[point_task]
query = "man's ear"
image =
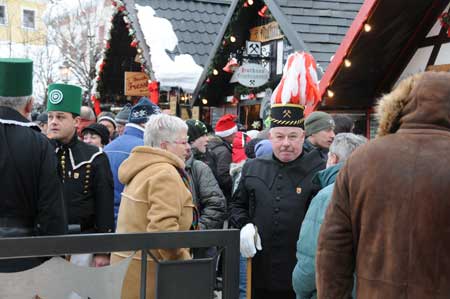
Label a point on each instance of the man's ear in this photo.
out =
(28, 106)
(77, 121)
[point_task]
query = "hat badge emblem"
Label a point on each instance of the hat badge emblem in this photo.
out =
(287, 113)
(55, 96)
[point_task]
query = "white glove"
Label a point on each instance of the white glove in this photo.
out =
(250, 240)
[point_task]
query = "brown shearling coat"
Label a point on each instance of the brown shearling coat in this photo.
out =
(389, 218)
(155, 199)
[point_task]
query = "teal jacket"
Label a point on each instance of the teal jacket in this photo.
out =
(304, 275)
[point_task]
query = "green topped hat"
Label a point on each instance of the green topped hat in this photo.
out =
(64, 97)
(16, 77)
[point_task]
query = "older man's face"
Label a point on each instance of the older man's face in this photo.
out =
(287, 143)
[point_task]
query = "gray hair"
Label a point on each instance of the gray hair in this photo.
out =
(16, 103)
(162, 127)
(87, 113)
(345, 143)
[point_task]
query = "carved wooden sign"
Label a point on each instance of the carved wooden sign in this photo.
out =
(266, 32)
(252, 75)
(136, 84)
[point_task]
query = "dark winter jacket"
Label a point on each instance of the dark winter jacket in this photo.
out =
(275, 196)
(219, 159)
(304, 275)
(31, 201)
(119, 150)
(88, 186)
(388, 220)
(308, 147)
(206, 194)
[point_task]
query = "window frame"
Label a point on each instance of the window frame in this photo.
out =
(6, 14)
(22, 18)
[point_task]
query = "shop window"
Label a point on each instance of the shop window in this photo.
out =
(28, 19)
(2, 15)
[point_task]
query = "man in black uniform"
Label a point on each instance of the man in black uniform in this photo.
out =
(85, 171)
(271, 201)
(31, 201)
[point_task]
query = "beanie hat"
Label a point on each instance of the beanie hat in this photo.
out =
(141, 112)
(226, 126)
(16, 77)
(108, 116)
(318, 121)
(98, 129)
(263, 148)
(239, 142)
(124, 114)
(196, 129)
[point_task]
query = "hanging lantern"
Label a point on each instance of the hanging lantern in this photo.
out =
(262, 12)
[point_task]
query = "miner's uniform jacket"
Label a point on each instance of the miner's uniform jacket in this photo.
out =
(88, 186)
(275, 196)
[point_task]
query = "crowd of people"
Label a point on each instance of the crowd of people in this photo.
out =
(322, 212)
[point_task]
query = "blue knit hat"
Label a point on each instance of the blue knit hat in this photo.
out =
(141, 112)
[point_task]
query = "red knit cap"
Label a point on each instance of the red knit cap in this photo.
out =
(226, 125)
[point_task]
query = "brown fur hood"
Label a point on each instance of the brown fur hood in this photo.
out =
(422, 100)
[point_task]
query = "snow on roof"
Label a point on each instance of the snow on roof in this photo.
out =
(182, 71)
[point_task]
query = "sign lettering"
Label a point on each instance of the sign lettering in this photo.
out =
(136, 84)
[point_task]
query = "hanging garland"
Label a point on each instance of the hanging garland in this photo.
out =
(445, 22)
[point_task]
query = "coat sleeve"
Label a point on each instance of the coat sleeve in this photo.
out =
(223, 161)
(104, 195)
(165, 191)
(211, 198)
(304, 274)
(240, 203)
(51, 210)
(335, 260)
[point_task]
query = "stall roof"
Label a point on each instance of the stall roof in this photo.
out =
(312, 26)
(195, 22)
(320, 24)
(378, 57)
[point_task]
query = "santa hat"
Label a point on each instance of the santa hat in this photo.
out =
(298, 88)
(226, 125)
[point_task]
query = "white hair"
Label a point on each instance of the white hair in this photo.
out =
(345, 143)
(16, 103)
(162, 127)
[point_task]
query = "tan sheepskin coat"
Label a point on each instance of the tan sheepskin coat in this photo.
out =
(155, 199)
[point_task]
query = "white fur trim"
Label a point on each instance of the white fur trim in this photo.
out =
(227, 132)
(18, 123)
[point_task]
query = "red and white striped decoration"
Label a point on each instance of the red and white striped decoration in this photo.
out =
(299, 84)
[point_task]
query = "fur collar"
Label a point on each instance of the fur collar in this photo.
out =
(390, 106)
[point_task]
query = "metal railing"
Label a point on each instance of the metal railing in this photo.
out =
(226, 240)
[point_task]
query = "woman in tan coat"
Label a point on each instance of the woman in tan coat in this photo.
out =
(155, 197)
